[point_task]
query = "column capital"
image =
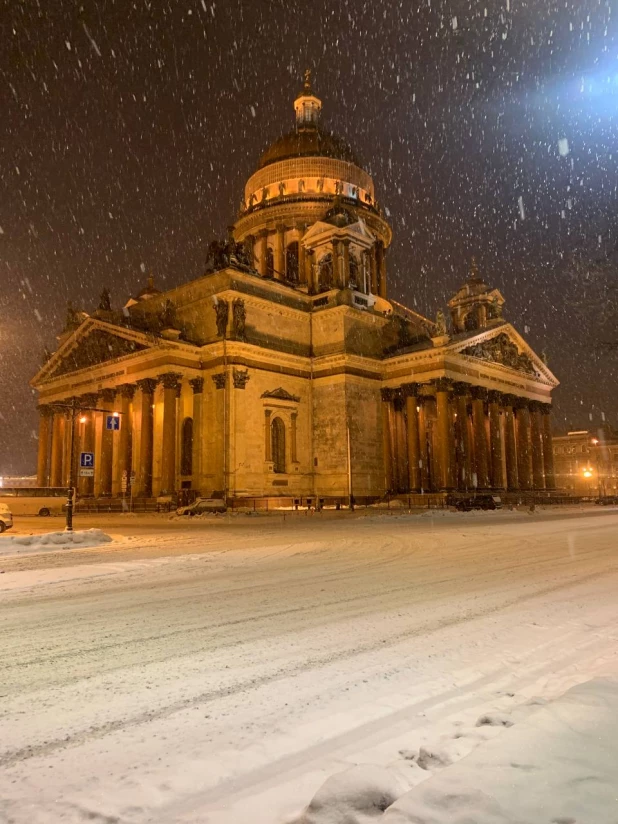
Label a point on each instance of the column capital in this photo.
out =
(409, 390)
(387, 394)
(89, 399)
(197, 384)
(508, 399)
(240, 378)
(461, 389)
(170, 380)
(479, 393)
(45, 410)
(108, 394)
(263, 233)
(219, 380)
(522, 403)
(546, 408)
(536, 406)
(147, 385)
(127, 390)
(443, 384)
(494, 396)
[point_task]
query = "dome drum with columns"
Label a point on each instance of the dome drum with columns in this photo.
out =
(248, 381)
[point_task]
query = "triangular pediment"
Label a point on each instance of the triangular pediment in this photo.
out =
(505, 347)
(94, 342)
(281, 394)
(321, 231)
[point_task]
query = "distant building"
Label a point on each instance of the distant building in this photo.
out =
(586, 462)
(286, 370)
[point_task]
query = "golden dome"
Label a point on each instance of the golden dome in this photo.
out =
(308, 142)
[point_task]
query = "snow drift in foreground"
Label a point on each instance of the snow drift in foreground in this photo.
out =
(556, 766)
(13, 544)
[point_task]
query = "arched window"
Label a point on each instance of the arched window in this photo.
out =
(355, 278)
(291, 262)
(186, 447)
(277, 435)
(325, 272)
(471, 322)
(270, 263)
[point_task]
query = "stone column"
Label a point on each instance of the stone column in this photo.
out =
(336, 265)
(293, 443)
(495, 441)
(302, 257)
(197, 385)
(268, 451)
(373, 270)
(57, 449)
(280, 253)
(422, 439)
(310, 272)
(444, 474)
(401, 451)
(107, 443)
(346, 263)
(171, 390)
(481, 464)
(548, 447)
(464, 442)
(381, 263)
(123, 463)
(85, 486)
(414, 445)
(262, 249)
(144, 407)
(524, 450)
(387, 439)
(45, 419)
(512, 475)
(536, 446)
(70, 426)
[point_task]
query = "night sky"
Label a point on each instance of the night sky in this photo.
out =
(129, 129)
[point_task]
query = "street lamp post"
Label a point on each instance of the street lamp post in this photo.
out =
(74, 408)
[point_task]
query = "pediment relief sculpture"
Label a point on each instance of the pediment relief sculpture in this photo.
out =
(95, 348)
(501, 349)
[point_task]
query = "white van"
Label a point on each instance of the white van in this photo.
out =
(6, 517)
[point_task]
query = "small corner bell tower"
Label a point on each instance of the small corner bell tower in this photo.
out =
(475, 305)
(307, 106)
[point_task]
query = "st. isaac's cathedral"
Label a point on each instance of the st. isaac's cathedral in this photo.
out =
(287, 371)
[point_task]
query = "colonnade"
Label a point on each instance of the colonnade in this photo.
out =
(455, 436)
(373, 263)
(121, 453)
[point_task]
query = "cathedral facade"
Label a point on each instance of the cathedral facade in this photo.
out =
(287, 371)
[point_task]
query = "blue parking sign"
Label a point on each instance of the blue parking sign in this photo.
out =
(112, 422)
(86, 460)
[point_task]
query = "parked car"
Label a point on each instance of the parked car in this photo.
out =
(6, 517)
(608, 500)
(201, 506)
(478, 502)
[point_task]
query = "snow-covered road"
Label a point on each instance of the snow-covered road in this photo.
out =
(220, 673)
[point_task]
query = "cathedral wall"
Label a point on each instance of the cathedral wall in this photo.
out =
(252, 464)
(364, 407)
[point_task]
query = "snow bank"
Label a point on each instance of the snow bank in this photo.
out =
(14, 544)
(556, 766)
(356, 796)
